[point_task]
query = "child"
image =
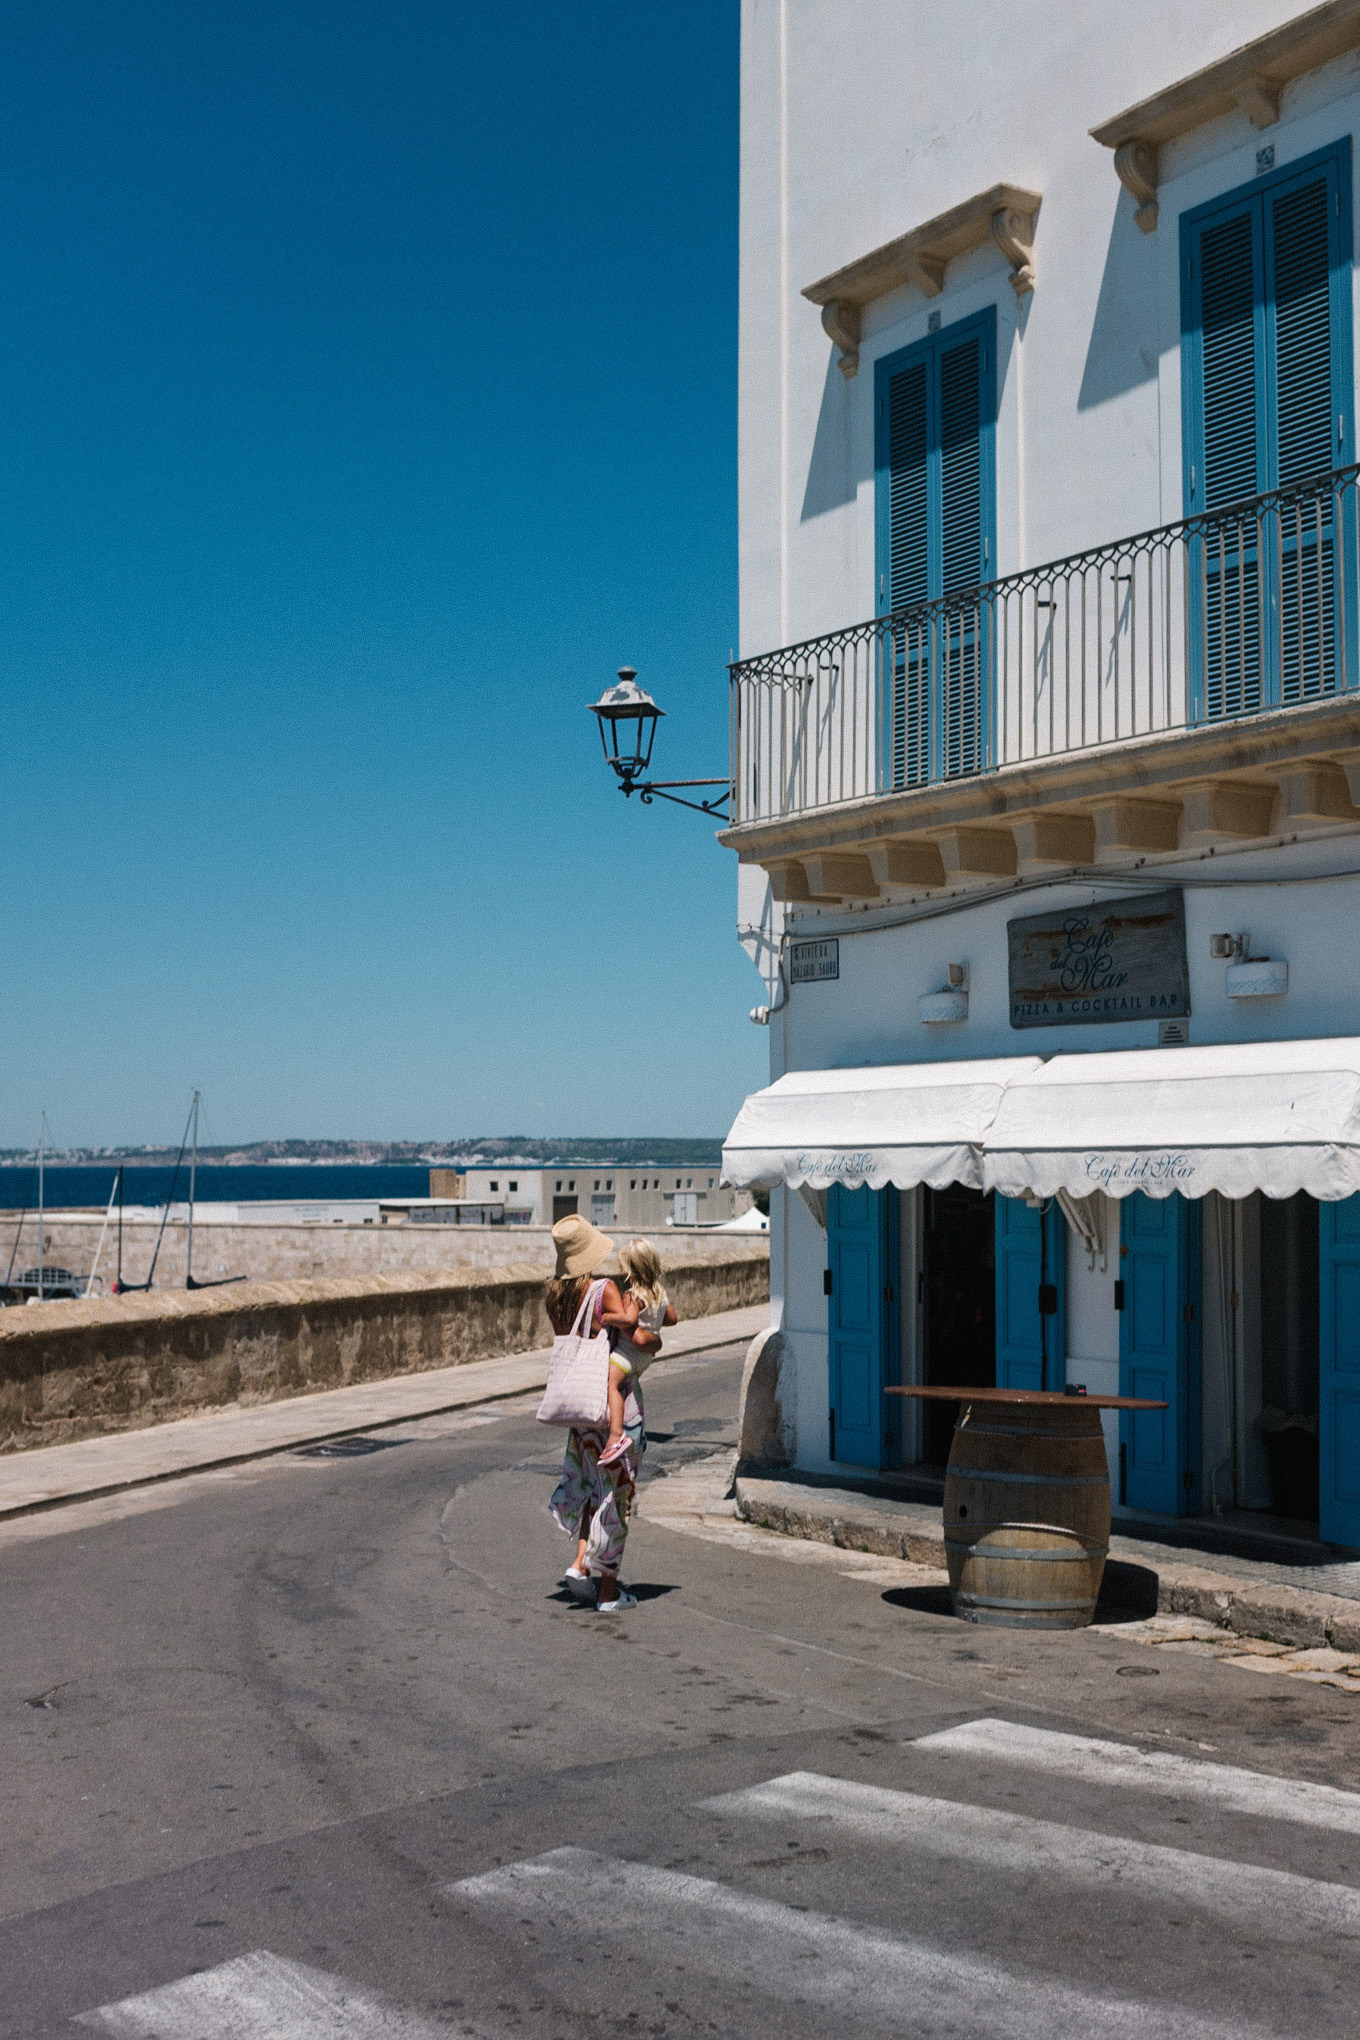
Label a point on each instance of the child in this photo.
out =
(641, 1287)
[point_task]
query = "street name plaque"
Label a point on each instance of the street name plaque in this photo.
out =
(1114, 960)
(812, 963)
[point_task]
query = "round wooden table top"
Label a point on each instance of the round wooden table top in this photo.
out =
(1047, 1398)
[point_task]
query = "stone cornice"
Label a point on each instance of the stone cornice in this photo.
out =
(1145, 766)
(1004, 214)
(1251, 78)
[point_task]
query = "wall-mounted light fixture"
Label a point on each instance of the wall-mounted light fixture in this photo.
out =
(627, 718)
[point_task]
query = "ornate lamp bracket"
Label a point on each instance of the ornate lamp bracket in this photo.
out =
(840, 323)
(1135, 165)
(1013, 232)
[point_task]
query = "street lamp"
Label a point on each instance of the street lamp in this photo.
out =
(627, 718)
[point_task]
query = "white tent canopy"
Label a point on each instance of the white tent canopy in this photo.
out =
(902, 1123)
(1276, 1116)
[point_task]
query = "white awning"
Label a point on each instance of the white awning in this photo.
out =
(902, 1123)
(1277, 1116)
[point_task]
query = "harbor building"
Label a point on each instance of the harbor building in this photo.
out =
(632, 1196)
(1046, 729)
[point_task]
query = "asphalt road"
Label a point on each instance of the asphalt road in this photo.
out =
(317, 1747)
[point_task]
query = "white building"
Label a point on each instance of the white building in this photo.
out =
(637, 1195)
(1053, 870)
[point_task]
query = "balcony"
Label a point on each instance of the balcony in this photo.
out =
(1190, 686)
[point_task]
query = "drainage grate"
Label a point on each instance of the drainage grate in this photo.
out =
(348, 1448)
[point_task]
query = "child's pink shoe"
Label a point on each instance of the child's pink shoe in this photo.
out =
(614, 1453)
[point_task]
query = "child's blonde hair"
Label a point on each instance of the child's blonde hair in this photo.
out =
(640, 1266)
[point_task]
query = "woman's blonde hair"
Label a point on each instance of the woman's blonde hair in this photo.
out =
(640, 1266)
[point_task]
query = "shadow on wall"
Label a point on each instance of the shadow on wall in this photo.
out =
(1122, 353)
(833, 476)
(831, 481)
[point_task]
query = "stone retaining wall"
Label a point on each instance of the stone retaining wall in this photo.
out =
(268, 1253)
(77, 1369)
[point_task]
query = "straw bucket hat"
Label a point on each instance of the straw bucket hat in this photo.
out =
(580, 1248)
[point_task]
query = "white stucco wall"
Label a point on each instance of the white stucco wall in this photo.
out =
(859, 123)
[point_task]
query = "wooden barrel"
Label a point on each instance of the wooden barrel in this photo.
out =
(1027, 1514)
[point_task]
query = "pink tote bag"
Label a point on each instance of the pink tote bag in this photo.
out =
(577, 1393)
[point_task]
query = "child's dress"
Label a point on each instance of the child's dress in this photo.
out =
(651, 1318)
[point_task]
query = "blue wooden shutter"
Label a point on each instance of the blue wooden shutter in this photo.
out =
(1304, 439)
(1339, 1372)
(1230, 291)
(861, 1316)
(1031, 1344)
(908, 576)
(961, 534)
(935, 463)
(1268, 405)
(1159, 1352)
(958, 652)
(1299, 333)
(1228, 465)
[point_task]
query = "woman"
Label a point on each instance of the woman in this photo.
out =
(592, 1503)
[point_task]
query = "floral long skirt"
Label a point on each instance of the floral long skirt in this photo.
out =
(594, 1501)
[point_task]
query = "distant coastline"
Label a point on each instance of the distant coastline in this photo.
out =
(483, 1151)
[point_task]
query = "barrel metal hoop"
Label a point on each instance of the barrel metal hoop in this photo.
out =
(987, 1473)
(1017, 1431)
(1029, 1607)
(1030, 1554)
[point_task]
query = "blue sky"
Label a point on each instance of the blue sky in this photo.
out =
(370, 397)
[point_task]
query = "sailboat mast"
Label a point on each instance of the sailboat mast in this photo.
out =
(118, 1284)
(42, 1143)
(193, 1171)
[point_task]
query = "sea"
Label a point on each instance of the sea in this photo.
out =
(91, 1183)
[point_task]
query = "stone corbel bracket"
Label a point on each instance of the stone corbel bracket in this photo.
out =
(840, 322)
(1250, 80)
(1005, 215)
(1135, 165)
(1013, 232)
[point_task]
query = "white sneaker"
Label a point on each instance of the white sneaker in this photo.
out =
(579, 1585)
(616, 1607)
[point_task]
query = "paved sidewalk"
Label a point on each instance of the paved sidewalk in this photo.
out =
(55, 1474)
(1262, 1600)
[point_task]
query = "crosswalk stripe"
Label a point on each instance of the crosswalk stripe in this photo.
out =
(813, 1958)
(258, 1997)
(1012, 1842)
(1159, 1771)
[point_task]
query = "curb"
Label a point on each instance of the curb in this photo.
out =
(536, 1375)
(913, 1531)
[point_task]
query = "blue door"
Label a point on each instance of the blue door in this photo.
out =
(1031, 1338)
(1157, 1295)
(1267, 393)
(1339, 1372)
(935, 464)
(861, 1245)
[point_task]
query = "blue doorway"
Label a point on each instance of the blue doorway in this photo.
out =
(1031, 1289)
(862, 1320)
(1339, 1372)
(1157, 1294)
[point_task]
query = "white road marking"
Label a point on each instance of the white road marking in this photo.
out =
(855, 1970)
(1159, 1771)
(259, 1997)
(1263, 1900)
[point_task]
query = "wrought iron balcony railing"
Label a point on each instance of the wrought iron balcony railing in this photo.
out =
(1245, 609)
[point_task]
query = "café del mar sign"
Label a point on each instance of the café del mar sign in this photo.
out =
(1120, 959)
